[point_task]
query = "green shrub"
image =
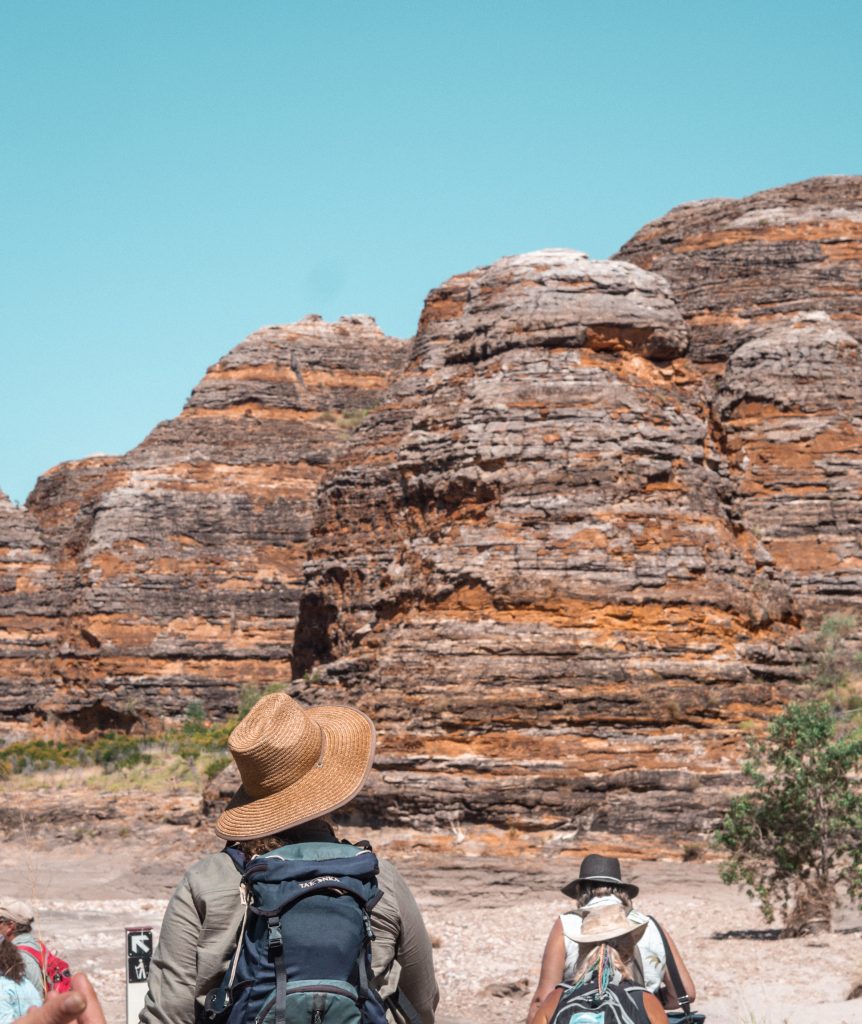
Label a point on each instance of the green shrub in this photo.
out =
(795, 838)
(200, 743)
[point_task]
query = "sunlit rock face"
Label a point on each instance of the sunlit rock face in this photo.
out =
(525, 568)
(788, 415)
(567, 546)
(771, 290)
(180, 563)
(776, 253)
(28, 599)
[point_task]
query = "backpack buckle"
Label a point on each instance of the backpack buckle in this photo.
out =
(276, 944)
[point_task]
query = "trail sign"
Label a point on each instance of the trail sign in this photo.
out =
(139, 951)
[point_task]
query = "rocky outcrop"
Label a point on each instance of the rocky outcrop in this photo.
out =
(524, 567)
(28, 600)
(776, 253)
(577, 547)
(788, 417)
(771, 289)
(178, 566)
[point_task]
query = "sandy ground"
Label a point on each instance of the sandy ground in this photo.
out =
(488, 917)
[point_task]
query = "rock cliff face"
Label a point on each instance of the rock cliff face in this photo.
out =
(575, 546)
(771, 290)
(732, 262)
(524, 566)
(28, 621)
(177, 567)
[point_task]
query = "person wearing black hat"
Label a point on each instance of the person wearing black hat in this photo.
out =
(600, 883)
(604, 972)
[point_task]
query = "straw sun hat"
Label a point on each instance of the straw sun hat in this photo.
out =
(296, 764)
(605, 922)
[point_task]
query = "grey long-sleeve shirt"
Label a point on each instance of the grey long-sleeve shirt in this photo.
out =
(199, 934)
(32, 970)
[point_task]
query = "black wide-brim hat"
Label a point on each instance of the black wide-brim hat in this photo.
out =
(599, 870)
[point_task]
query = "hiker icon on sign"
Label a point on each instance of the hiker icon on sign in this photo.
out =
(140, 971)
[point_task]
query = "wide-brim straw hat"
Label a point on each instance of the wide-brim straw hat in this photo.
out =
(606, 922)
(296, 764)
(599, 870)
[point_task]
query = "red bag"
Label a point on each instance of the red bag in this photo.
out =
(55, 971)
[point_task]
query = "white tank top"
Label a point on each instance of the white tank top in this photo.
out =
(650, 948)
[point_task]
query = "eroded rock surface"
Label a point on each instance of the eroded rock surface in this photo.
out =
(583, 539)
(179, 565)
(788, 411)
(772, 254)
(524, 569)
(28, 621)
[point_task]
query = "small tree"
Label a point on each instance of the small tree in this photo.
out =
(795, 839)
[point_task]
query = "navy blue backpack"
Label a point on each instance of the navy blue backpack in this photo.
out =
(304, 950)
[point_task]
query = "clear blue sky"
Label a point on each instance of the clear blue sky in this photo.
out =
(177, 173)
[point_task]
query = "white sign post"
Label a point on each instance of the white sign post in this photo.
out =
(139, 950)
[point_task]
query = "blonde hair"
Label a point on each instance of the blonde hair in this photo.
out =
(620, 950)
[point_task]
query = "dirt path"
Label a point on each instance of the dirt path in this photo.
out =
(488, 917)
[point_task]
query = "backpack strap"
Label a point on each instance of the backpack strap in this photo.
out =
(276, 952)
(402, 1010)
(40, 955)
(672, 969)
(364, 957)
(237, 856)
(218, 1000)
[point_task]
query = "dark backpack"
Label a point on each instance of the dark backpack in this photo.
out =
(616, 1004)
(55, 971)
(304, 950)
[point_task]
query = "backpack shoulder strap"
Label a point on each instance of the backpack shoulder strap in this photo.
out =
(672, 969)
(401, 1009)
(40, 955)
(217, 1001)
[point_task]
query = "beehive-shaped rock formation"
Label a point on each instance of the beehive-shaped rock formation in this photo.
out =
(177, 567)
(524, 566)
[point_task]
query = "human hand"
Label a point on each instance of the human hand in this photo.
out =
(80, 1006)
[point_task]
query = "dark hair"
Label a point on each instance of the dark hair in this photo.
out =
(589, 890)
(256, 847)
(11, 964)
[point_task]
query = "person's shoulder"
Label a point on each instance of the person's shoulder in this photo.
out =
(570, 922)
(389, 877)
(212, 869)
(29, 990)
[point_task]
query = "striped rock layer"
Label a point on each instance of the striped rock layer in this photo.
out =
(771, 290)
(526, 569)
(175, 571)
(735, 262)
(578, 547)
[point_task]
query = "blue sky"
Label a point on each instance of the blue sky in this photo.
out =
(174, 175)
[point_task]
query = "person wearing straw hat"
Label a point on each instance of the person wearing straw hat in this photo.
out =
(604, 970)
(16, 925)
(599, 883)
(297, 765)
